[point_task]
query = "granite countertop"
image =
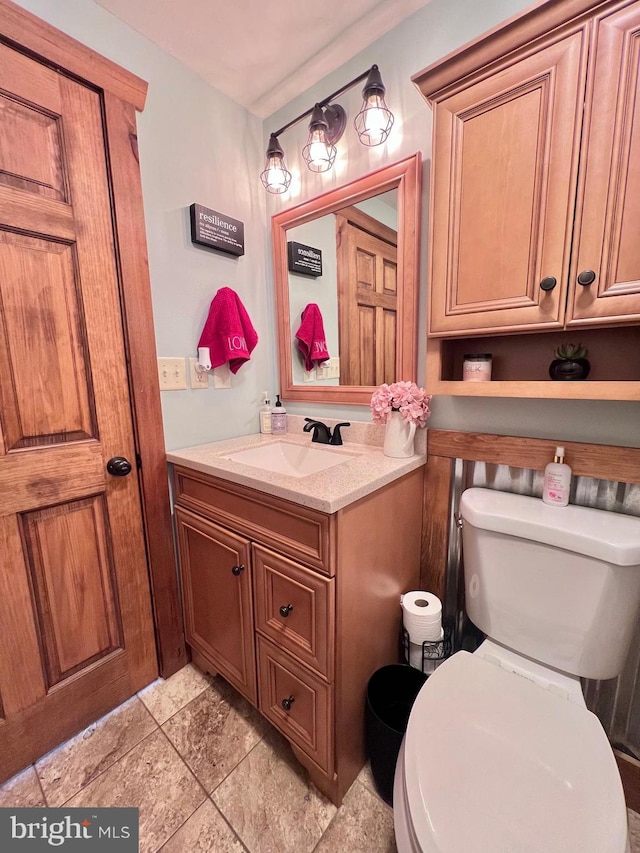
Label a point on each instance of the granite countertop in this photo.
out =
(364, 470)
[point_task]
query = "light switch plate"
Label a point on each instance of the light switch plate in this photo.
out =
(310, 375)
(171, 374)
(334, 368)
(198, 378)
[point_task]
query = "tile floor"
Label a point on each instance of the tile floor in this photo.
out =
(209, 775)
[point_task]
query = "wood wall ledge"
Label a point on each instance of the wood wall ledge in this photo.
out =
(21, 29)
(621, 464)
(495, 44)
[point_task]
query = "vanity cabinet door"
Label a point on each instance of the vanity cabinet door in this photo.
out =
(504, 177)
(607, 235)
(215, 567)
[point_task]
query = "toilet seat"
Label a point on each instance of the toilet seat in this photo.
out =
(557, 788)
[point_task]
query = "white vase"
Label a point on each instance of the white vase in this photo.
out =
(398, 437)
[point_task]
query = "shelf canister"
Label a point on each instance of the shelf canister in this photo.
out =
(476, 367)
(399, 434)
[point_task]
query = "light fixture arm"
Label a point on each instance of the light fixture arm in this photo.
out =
(326, 100)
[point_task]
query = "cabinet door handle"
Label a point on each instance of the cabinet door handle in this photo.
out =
(287, 703)
(236, 570)
(285, 610)
(586, 277)
(548, 283)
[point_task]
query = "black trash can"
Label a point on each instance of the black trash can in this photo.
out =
(391, 692)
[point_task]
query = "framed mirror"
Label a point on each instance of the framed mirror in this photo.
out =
(353, 252)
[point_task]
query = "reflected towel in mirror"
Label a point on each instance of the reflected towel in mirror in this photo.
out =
(311, 339)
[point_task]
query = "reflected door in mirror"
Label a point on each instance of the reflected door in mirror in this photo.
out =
(368, 298)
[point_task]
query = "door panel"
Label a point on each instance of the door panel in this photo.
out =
(76, 630)
(77, 610)
(607, 225)
(502, 200)
(48, 400)
(367, 299)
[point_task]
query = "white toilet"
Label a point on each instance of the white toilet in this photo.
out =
(501, 754)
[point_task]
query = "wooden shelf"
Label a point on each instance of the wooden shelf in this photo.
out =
(521, 363)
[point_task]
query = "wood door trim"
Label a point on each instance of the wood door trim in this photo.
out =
(24, 30)
(123, 92)
(147, 416)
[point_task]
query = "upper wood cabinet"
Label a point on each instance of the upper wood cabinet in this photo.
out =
(607, 234)
(536, 174)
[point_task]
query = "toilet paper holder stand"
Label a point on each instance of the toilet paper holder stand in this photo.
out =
(433, 653)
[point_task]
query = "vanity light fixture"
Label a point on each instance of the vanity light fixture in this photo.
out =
(275, 177)
(375, 120)
(325, 128)
(373, 124)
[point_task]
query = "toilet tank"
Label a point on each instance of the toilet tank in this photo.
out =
(560, 585)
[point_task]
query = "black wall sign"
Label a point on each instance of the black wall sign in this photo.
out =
(215, 230)
(304, 259)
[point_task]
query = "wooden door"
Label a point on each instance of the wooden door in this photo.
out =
(607, 227)
(505, 164)
(76, 631)
(367, 298)
(215, 566)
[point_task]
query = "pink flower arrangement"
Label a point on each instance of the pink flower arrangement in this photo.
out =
(404, 397)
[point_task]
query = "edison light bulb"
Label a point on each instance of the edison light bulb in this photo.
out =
(318, 150)
(375, 120)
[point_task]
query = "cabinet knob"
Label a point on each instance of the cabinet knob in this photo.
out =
(586, 277)
(548, 283)
(287, 703)
(236, 570)
(285, 610)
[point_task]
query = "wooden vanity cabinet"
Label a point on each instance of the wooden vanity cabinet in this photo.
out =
(536, 189)
(314, 611)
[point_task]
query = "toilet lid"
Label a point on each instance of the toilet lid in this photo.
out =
(497, 764)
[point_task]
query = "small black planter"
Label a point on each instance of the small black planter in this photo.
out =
(563, 369)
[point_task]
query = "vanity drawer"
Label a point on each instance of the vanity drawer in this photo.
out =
(297, 531)
(295, 609)
(297, 702)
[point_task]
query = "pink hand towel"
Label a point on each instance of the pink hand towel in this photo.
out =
(312, 342)
(228, 333)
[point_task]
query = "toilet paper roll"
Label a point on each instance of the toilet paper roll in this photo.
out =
(421, 616)
(415, 657)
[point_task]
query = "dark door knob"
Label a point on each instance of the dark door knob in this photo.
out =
(286, 609)
(118, 466)
(586, 277)
(548, 283)
(287, 703)
(237, 570)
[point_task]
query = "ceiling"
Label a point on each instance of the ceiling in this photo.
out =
(262, 53)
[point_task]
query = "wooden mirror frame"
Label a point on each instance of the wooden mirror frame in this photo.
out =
(406, 177)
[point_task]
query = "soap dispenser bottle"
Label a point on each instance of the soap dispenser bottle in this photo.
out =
(265, 415)
(278, 418)
(557, 480)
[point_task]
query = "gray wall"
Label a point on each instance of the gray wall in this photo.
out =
(425, 37)
(198, 145)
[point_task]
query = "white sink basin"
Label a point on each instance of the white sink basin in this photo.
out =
(295, 460)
